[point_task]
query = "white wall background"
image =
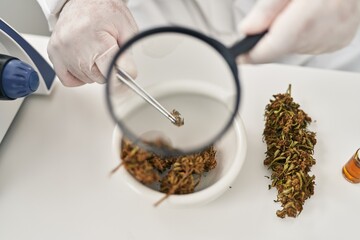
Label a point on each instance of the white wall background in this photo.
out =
(25, 16)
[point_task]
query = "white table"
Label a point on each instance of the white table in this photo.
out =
(55, 161)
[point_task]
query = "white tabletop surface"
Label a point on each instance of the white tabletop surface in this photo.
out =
(55, 161)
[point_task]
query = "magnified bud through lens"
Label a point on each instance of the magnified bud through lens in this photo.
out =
(188, 77)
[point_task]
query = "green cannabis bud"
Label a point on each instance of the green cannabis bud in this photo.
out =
(290, 146)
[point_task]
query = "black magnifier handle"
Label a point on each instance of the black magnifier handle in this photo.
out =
(246, 44)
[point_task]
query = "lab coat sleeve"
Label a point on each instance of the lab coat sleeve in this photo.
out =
(52, 9)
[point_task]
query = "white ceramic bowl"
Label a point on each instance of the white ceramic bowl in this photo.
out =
(231, 154)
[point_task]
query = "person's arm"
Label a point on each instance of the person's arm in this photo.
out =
(300, 27)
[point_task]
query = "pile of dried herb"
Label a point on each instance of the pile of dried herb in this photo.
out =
(175, 175)
(290, 146)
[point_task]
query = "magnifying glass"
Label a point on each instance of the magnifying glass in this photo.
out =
(191, 78)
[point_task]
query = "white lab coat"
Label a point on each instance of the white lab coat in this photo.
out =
(216, 18)
(212, 17)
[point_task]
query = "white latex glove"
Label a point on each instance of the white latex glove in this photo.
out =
(86, 37)
(300, 27)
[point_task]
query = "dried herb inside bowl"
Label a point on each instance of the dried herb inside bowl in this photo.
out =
(175, 175)
(290, 148)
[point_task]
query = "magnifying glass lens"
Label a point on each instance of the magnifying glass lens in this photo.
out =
(186, 75)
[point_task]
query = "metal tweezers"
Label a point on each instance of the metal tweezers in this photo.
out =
(125, 78)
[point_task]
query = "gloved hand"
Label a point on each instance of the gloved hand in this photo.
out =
(87, 35)
(300, 27)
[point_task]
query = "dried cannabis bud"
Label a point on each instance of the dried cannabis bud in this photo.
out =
(176, 175)
(290, 147)
(138, 163)
(186, 172)
(178, 120)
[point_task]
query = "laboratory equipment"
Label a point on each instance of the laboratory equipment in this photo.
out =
(186, 72)
(23, 71)
(230, 161)
(130, 82)
(351, 170)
